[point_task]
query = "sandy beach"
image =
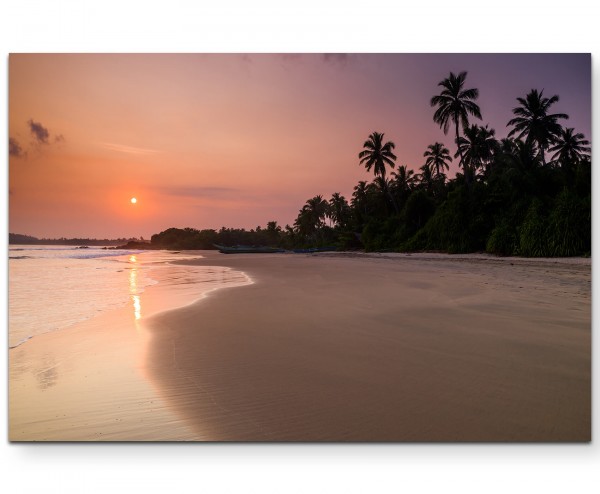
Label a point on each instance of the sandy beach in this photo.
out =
(90, 381)
(383, 347)
(330, 347)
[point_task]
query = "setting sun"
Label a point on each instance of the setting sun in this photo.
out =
(133, 200)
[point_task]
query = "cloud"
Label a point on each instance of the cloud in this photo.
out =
(199, 191)
(127, 149)
(336, 58)
(15, 149)
(41, 136)
(339, 59)
(39, 132)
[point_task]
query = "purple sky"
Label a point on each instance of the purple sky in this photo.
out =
(407, 82)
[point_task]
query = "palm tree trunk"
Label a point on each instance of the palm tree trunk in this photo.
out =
(543, 157)
(461, 164)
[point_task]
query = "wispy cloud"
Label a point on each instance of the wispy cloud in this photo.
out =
(120, 148)
(199, 191)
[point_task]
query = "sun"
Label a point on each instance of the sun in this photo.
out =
(133, 200)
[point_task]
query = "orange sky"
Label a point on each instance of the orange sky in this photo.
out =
(212, 140)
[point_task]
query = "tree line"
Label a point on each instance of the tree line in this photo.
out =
(528, 194)
(20, 239)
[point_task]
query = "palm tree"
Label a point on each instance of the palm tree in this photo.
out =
(273, 232)
(318, 208)
(437, 156)
(383, 187)
(403, 179)
(519, 155)
(360, 197)
(518, 161)
(533, 121)
(377, 155)
(570, 148)
(455, 104)
(312, 215)
(426, 177)
(338, 209)
(477, 147)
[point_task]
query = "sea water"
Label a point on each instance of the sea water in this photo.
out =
(54, 287)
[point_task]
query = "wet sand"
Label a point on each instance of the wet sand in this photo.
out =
(382, 348)
(334, 347)
(90, 382)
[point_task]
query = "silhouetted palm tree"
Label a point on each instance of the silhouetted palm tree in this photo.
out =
(438, 157)
(377, 154)
(312, 215)
(533, 121)
(518, 162)
(477, 147)
(519, 155)
(318, 208)
(383, 186)
(339, 209)
(272, 226)
(426, 178)
(360, 197)
(455, 104)
(403, 179)
(570, 148)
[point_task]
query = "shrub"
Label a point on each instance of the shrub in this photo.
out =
(569, 226)
(503, 240)
(533, 240)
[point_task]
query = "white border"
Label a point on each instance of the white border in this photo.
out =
(307, 26)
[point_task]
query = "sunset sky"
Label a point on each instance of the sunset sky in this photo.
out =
(235, 140)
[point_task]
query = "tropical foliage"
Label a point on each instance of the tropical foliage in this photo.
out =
(533, 122)
(455, 104)
(505, 198)
(438, 158)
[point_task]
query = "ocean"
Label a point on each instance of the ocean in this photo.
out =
(54, 287)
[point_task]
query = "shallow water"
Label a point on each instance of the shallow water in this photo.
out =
(78, 366)
(54, 287)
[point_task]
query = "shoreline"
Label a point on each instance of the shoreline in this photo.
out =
(471, 256)
(325, 347)
(330, 347)
(88, 381)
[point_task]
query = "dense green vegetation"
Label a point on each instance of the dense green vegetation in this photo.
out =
(507, 198)
(190, 238)
(17, 238)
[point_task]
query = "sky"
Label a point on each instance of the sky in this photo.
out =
(211, 140)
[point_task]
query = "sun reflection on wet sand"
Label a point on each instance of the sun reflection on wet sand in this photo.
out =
(97, 380)
(133, 291)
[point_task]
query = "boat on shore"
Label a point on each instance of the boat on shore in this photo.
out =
(248, 249)
(312, 250)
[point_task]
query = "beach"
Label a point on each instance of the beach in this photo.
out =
(333, 347)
